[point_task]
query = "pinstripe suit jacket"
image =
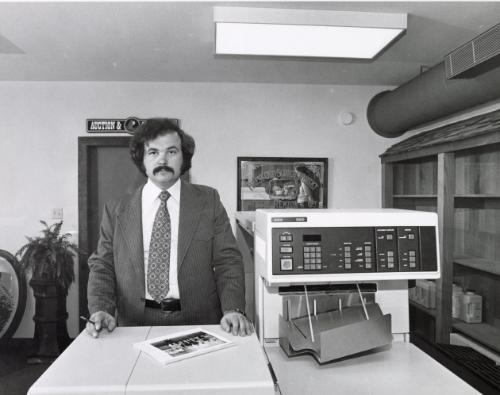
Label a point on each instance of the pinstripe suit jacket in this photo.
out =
(210, 267)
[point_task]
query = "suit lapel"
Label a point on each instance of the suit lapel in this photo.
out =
(189, 215)
(129, 221)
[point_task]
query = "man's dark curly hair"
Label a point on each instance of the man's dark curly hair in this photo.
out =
(150, 130)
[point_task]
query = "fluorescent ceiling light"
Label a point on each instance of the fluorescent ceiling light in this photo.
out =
(309, 41)
(305, 33)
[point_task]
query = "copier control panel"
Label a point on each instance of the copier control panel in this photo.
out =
(362, 249)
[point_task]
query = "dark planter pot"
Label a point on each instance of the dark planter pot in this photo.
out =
(51, 333)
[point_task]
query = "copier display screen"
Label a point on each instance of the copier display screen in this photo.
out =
(307, 237)
(354, 249)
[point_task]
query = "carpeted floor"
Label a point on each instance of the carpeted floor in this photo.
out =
(16, 375)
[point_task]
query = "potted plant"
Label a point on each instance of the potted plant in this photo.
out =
(50, 261)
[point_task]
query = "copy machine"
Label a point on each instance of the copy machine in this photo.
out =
(333, 283)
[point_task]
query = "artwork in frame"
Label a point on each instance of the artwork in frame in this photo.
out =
(184, 344)
(268, 182)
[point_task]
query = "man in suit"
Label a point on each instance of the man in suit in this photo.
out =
(166, 254)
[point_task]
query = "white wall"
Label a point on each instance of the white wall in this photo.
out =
(40, 123)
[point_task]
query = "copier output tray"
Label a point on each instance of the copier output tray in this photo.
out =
(337, 334)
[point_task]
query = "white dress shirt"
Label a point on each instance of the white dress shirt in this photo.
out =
(150, 204)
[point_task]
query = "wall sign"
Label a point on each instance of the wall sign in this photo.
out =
(128, 125)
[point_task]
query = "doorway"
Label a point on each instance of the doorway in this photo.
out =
(105, 172)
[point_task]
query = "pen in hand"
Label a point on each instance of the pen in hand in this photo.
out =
(93, 332)
(97, 321)
(87, 320)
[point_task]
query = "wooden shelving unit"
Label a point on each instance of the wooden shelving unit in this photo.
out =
(455, 171)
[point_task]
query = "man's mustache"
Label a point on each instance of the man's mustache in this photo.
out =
(163, 167)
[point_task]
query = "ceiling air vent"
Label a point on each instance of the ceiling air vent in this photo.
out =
(476, 56)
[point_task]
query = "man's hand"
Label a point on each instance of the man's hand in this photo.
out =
(101, 320)
(236, 323)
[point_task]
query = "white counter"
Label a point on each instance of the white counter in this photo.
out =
(111, 365)
(399, 369)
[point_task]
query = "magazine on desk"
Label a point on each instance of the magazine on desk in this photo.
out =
(184, 344)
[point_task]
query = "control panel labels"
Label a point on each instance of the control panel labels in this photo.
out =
(289, 219)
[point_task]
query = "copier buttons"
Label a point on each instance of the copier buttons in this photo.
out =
(412, 256)
(286, 264)
(390, 259)
(298, 249)
(312, 257)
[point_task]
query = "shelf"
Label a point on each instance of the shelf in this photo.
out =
(483, 333)
(481, 264)
(477, 196)
(477, 201)
(415, 202)
(420, 307)
(414, 196)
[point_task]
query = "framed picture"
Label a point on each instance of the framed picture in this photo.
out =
(266, 182)
(184, 344)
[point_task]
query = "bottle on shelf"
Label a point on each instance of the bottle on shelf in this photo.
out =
(457, 295)
(471, 309)
(425, 293)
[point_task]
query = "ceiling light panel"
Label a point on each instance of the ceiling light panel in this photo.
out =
(308, 41)
(305, 33)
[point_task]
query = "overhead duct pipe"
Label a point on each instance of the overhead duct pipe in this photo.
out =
(428, 97)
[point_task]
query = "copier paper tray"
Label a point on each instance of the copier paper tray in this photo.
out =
(337, 334)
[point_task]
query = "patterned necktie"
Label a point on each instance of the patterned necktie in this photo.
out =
(159, 252)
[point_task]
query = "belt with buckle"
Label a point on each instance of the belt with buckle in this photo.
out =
(169, 304)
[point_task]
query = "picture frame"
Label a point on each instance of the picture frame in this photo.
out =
(183, 344)
(277, 183)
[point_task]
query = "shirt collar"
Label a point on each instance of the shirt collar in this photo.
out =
(150, 192)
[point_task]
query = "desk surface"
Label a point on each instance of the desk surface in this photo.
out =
(399, 369)
(111, 365)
